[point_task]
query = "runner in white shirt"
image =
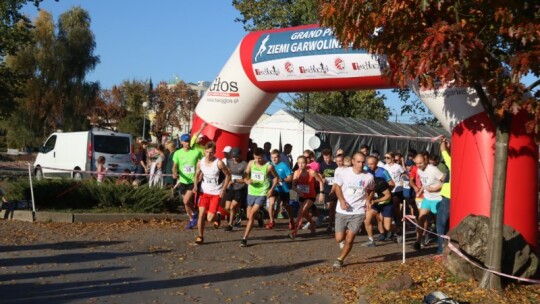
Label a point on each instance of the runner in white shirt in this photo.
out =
(432, 182)
(353, 189)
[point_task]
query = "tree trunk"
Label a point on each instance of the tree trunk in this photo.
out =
(496, 219)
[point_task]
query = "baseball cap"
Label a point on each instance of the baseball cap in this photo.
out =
(235, 152)
(184, 138)
(409, 162)
(227, 149)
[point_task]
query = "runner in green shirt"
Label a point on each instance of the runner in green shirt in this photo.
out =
(184, 164)
(258, 175)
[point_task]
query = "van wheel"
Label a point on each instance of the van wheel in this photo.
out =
(38, 174)
(77, 175)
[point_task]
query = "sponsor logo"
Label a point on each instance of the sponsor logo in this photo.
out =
(289, 67)
(267, 71)
(314, 69)
(339, 63)
(223, 88)
(369, 65)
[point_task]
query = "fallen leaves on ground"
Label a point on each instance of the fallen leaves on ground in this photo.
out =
(428, 276)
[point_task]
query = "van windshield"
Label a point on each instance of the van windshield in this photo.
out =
(111, 144)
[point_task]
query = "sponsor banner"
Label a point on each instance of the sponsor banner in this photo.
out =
(297, 43)
(233, 99)
(343, 65)
(451, 105)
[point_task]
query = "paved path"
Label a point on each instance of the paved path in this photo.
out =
(156, 262)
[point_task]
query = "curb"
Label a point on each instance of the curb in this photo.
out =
(63, 217)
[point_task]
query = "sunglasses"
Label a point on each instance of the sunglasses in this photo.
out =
(387, 157)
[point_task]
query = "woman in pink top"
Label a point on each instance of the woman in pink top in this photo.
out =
(304, 184)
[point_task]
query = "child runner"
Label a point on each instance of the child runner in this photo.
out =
(304, 184)
(101, 170)
(237, 192)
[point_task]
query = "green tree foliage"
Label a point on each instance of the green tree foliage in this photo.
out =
(269, 14)
(55, 92)
(358, 104)
(487, 45)
(413, 105)
(15, 33)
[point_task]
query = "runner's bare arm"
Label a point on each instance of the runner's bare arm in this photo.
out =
(247, 175)
(342, 202)
(227, 174)
(175, 170)
(196, 177)
(319, 178)
(272, 170)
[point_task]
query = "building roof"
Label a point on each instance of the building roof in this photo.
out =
(348, 125)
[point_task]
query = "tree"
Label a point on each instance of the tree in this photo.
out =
(15, 33)
(172, 105)
(269, 14)
(484, 44)
(358, 104)
(413, 105)
(55, 93)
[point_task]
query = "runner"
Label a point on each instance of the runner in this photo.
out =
(237, 192)
(304, 184)
(258, 174)
(184, 163)
(281, 193)
(353, 189)
(212, 187)
(327, 169)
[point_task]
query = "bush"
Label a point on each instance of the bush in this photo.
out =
(65, 194)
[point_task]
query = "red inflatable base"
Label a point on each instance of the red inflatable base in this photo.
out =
(221, 137)
(473, 143)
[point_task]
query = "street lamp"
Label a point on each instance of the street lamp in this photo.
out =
(145, 106)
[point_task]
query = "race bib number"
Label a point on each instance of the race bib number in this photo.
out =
(188, 169)
(303, 188)
(257, 176)
(329, 180)
(211, 180)
(235, 177)
(406, 184)
(354, 191)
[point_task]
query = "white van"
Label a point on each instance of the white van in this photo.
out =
(75, 154)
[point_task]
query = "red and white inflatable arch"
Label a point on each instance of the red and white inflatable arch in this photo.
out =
(309, 58)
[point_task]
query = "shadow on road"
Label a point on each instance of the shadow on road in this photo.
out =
(58, 246)
(69, 291)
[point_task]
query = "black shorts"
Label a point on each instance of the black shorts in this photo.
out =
(183, 188)
(399, 195)
(284, 197)
(239, 195)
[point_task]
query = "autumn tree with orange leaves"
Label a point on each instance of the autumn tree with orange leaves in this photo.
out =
(487, 45)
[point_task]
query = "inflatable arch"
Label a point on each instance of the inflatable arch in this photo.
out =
(309, 58)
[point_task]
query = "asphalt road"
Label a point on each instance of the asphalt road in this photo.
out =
(157, 262)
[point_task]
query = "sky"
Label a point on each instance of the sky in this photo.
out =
(164, 39)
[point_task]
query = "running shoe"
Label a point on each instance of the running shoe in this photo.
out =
(426, 239)
(292, 236)
(306, 226)
(199, 240)
(338, 263)
(399, 239)
(192, 224)
(382, 237)
(270, 225)
(417, 246)
(389, 236)
(313, 228)
(369, 243)
(243, 243)
(238, 217)
(330, 228)
(229, 228)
